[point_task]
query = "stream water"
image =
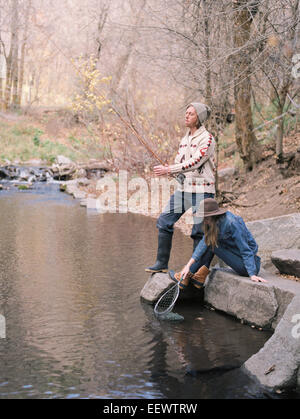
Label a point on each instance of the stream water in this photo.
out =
(70, 285)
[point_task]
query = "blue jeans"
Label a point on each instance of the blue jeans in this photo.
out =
(179, 203)
(231, 259)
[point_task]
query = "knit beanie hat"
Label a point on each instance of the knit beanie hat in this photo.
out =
(203, 111)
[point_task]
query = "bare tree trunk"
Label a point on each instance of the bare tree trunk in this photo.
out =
(207, 56)
(124, 61)
(279, 134)
(101, 24)
(15, 58)
(293, 34)
(2, 69)
(245, 137)
(280, 124)
(23, 51)
(2, 79)
(31, 85)
(8, 82)
(1, 93)
(280, 85)
(11, 56)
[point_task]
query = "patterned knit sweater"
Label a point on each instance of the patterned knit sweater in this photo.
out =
(195, 159)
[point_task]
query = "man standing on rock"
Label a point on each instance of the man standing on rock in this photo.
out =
(195, 166)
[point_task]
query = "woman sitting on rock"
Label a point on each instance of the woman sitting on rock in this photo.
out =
(226, 236)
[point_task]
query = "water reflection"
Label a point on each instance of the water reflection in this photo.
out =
(69, 288)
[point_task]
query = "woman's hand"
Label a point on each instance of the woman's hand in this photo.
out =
(184, 272)
(255, 278)
(161, 170)
(186, 269)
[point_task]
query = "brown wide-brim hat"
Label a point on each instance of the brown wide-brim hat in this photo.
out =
(209, 208)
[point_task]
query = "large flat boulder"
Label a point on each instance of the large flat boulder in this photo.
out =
(272, 235)
(287, 261)
(238, 296)
(276, 233)
(277, 364)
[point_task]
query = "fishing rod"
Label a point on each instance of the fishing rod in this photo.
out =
(137, 135)
(181, 177)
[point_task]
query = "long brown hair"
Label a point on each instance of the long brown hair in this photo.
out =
(211, 231)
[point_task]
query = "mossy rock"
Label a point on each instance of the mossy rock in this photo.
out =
(24, 187)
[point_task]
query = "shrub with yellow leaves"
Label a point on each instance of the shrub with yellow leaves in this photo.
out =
(92, 96)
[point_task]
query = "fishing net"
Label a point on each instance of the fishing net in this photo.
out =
(166, 302)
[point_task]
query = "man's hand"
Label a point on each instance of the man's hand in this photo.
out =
(161, 170)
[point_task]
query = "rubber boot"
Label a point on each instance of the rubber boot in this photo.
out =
(177, 277)
(163, 252)
(198, 279)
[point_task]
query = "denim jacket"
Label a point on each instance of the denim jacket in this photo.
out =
(235, 237)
